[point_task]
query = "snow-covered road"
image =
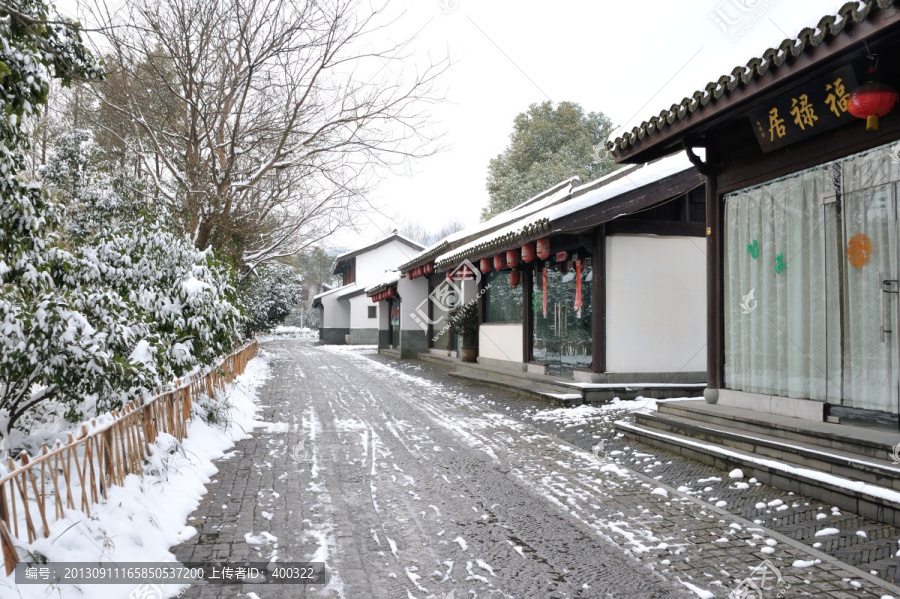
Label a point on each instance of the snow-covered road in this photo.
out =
(407, 488)
(413, 490)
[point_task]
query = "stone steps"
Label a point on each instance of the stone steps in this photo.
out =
(807, 454)
(864, 442)
(837, 477)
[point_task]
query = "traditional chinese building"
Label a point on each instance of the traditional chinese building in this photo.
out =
(599, 287)
(802, 164)
(346, 314)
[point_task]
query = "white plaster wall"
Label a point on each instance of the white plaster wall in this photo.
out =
(656, 303)
(500, 342)
(371, 265)
(359, 313)
(337, 313)
(413, 292)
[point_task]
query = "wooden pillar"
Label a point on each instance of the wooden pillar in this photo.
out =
(598, 299)
(430, 332)
(715, 329)
(481, 298)
(527, 283)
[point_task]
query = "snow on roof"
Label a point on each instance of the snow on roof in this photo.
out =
(635, 179)
(546, 198)
(628, 179)
(349, 290)
(378, 242)
(390, 277)
(335, 290)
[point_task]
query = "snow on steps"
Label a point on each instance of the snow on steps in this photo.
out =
(561, 393)
(873, 501)
(807, 453)
(860, 441)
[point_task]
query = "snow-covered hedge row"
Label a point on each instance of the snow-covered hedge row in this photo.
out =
(87, 325)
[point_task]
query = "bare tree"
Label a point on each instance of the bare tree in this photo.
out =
(448, 228)
(413, 229)
(260, 122)
(418, 232)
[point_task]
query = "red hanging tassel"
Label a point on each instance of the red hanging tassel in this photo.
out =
(578, 302)
(544, 283)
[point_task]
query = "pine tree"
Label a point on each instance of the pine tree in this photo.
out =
(547, 146)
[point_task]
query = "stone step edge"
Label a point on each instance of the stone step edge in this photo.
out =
(541, 395)
(760, 421)
(866, 491)
(835, 456)
(512, 381)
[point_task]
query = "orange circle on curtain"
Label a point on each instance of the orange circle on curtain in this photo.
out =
(859, 250)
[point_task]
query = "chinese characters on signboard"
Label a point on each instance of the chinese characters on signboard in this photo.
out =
(804, 111)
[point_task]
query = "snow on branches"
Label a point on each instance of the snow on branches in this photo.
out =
(114, 316)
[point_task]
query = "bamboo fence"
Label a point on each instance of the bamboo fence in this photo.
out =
(76, 474)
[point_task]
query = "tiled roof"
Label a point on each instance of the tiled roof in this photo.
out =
(581, 198)
(388, 280)
(545, 198)
(491, 243)
(828, 28)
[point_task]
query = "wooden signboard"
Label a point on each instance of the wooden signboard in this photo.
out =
(804, 111)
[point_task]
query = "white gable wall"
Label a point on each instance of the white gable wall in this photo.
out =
(371, 265)
(336, 313)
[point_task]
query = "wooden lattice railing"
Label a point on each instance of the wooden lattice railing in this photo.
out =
(37, 490)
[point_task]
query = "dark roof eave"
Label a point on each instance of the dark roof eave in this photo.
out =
(664, 133)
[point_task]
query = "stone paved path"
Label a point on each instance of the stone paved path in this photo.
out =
(421, 487)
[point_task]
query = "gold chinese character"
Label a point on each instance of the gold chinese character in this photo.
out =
(776, 125)
(837, 99)
(803, 112)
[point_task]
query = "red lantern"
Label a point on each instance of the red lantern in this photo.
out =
(870, 101)
(429, 268)
(543, 248)
(374, 301)
(392, 292)
(499, 262)
(512, 258)
(514, 278)
(485, 265)
(528, 252)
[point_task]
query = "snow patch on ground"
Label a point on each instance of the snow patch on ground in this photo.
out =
(141, 520)
(703, 594)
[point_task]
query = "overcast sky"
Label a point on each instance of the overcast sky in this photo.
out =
(628, 60)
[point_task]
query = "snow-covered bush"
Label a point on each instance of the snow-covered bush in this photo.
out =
(92, 324)
(183, 299)
(45, 343)
(269, 295)
(97, 197)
